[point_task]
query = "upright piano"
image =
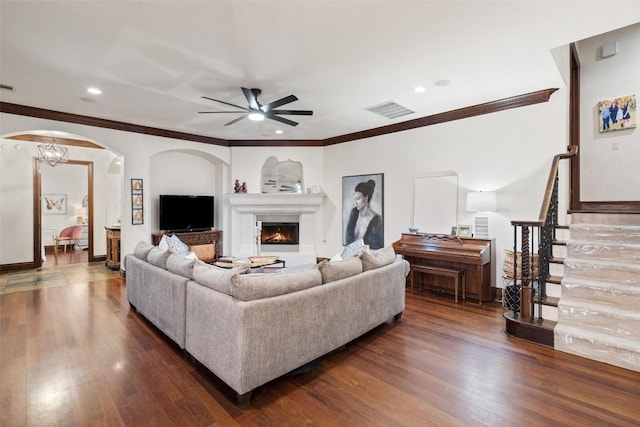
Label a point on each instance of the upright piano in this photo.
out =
(474, 256)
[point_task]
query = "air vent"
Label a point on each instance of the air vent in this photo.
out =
(390, 110)
(6, 87)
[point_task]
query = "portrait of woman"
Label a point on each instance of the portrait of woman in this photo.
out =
(362, 210)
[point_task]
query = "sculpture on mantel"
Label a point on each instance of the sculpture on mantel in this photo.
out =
(237, 188)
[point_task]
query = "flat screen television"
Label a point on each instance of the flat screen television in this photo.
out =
(186, 213)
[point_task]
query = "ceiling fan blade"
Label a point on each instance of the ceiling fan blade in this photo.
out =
(280, 119)
(251, 95)
(219, 112)
(235, 120)
(293, 112)
(275, 104)
(226, 103)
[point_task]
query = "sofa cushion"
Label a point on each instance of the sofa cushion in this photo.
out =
(332, 271)
(379, 258)
(141, 251)
(158, 257)
(216, 278)
(247, 287)
(177, 247)
(354, 248)
(180, 265)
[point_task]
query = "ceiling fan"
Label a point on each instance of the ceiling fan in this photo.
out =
(257, 112)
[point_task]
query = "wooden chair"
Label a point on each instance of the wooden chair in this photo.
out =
(67, 235)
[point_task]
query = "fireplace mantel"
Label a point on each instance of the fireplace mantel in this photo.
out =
(260, 203)
(247, 207)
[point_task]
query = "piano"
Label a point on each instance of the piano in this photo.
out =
(474, 256)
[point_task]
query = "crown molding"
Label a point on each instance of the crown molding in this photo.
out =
(448, 116)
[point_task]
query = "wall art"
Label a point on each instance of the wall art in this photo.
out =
(137, 202)
(54, 204)
(617, 114)
(362, 209)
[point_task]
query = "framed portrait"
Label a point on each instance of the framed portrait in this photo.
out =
(617, 114)
(363, 209)
(54, 204)
(137, 202)
(463, 230)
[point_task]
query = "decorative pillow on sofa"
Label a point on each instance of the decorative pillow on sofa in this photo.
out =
(180, 265)
(177, 247)
(379, 258)
(164, 242)
(216, 278)
(205, 252)
(141, 251)
(158, 257)
(354, 248)
(247, 287)
(332, 271)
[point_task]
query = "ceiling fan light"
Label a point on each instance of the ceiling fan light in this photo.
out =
(256, 117)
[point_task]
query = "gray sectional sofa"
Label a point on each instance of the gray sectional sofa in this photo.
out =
(250, 328)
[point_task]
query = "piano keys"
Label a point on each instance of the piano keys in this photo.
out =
(474, 256)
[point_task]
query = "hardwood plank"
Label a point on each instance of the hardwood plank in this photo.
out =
(79, 355)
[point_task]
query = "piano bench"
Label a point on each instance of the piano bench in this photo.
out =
(457, 276)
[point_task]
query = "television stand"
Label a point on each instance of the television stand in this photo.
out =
(195, 238)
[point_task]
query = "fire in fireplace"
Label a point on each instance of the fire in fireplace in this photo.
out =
(279, 233)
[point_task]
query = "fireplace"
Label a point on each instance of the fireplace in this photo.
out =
(280, 230)
(279, 233)
(292, 210)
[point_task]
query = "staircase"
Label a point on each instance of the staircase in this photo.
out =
(599, 306)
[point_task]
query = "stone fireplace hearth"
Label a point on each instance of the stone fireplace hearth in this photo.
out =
(291, 210)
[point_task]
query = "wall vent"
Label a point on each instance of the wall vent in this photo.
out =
(6, 87)
(390, 110)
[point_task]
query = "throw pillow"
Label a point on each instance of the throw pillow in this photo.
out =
(177, 247)
(379, 258)
(182, 266)
(158, 257)
(216, 278)
(352, 249)
(164, 242)
(141, 251)
(332, 271)
(247, 287)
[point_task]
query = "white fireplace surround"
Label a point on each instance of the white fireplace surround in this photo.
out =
(247, 206)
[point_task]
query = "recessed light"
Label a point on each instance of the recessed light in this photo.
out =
(279, 131)
(94, 91)
(443, 82)
(419, 89)
(256, 117)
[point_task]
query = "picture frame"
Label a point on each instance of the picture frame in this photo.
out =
(137, 201)
(617, 114)
(363, 194)
(54, 204)
(463, 230)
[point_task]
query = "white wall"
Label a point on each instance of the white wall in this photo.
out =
(605, 79)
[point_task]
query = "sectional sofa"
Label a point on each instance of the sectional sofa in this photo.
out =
(250, 328)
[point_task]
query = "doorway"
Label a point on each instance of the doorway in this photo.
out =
(39, 200)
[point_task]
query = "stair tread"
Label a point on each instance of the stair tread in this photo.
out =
(550, 301)
(556, 260)
(562, 226)
(554, 279)
(559, 242)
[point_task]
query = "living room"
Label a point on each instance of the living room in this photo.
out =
(507, 151)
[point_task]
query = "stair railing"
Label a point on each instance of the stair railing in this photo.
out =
(520, 296)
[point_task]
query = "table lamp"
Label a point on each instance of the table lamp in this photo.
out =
(482, 201)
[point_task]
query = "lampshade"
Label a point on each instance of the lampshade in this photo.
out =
(482, 201)
(52, 153)
(79, 212)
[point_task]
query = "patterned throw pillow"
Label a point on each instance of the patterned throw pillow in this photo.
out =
(352, 249)
(177, 247)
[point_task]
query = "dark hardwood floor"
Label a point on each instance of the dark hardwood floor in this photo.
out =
(77, 355)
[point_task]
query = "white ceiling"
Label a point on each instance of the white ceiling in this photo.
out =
(155, 59)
